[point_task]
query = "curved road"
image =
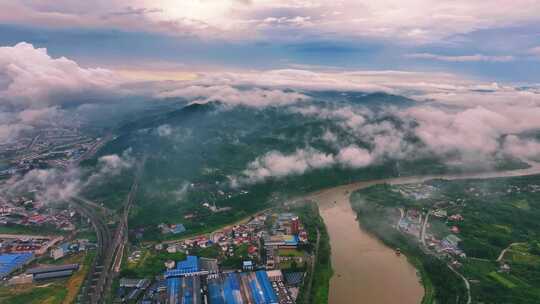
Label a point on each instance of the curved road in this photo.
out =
(104, 238)
(365, 270)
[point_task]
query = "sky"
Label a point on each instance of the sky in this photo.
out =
(472, 66)
(496, 41)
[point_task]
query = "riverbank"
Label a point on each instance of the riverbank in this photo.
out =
(359, 259)
(440, 284)
(364, 268)
(315, 289)
(486, 264)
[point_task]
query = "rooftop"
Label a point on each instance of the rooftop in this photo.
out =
(10, 262)
(188, 266)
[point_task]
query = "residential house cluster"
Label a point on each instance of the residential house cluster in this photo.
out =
(38, 245)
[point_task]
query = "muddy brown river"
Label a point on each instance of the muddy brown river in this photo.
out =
(365, 270)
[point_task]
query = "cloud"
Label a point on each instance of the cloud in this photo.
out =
(460, 121)
(535, 51)
(330, 137)
(252, 97)
(274, 164)
(51, 185)
(34, 78)
(454, 114)
(445, 88)
(462, 58)
(347, 115)
(13, 124)
(355, 157)
(416, 21)
(522, 148)
(109, 166)
(394, 82)
(34, 88)
(57, 185)
(164, 130)
(37, 115)
(182, 192)
(9, 132)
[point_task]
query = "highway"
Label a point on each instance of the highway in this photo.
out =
(110, 246)
(115, 250)
(88, 292)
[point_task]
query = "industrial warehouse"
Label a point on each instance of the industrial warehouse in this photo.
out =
(247, 287)
(193, 281)
(52, 272)
(269, 264)
(12, 262)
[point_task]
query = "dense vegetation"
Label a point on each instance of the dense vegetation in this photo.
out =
(498, 214)
(193, 151)
(320, 278)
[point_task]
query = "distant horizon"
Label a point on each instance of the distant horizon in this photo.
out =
(497, 41)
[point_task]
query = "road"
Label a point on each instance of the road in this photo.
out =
(465, 281)
(312, 266)
(110, 247)
(503, 252)
(424, 225)
(115, 251)
(97, 219)
(401, 216)
(423, 240)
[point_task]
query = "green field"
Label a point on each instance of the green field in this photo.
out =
(291, 252)
(30, 294)
(32, 230)
(501, 279)
(151, 264)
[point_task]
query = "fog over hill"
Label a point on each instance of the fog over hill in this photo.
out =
(235, 130)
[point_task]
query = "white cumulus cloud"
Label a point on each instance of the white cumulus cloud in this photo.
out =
(276, 164)
(462, 58)
(252, 97)
(34, 78)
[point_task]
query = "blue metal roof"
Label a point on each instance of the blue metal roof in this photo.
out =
(187, 266)
(10, 262)
(173, 290)
(179, 228)
(216, 293)
(228, 289)
(269, 294)
(187, 291)
(292, 241)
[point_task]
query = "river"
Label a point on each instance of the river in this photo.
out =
(365, 270)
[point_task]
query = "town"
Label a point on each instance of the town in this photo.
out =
(260, 261)
(54, 147)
